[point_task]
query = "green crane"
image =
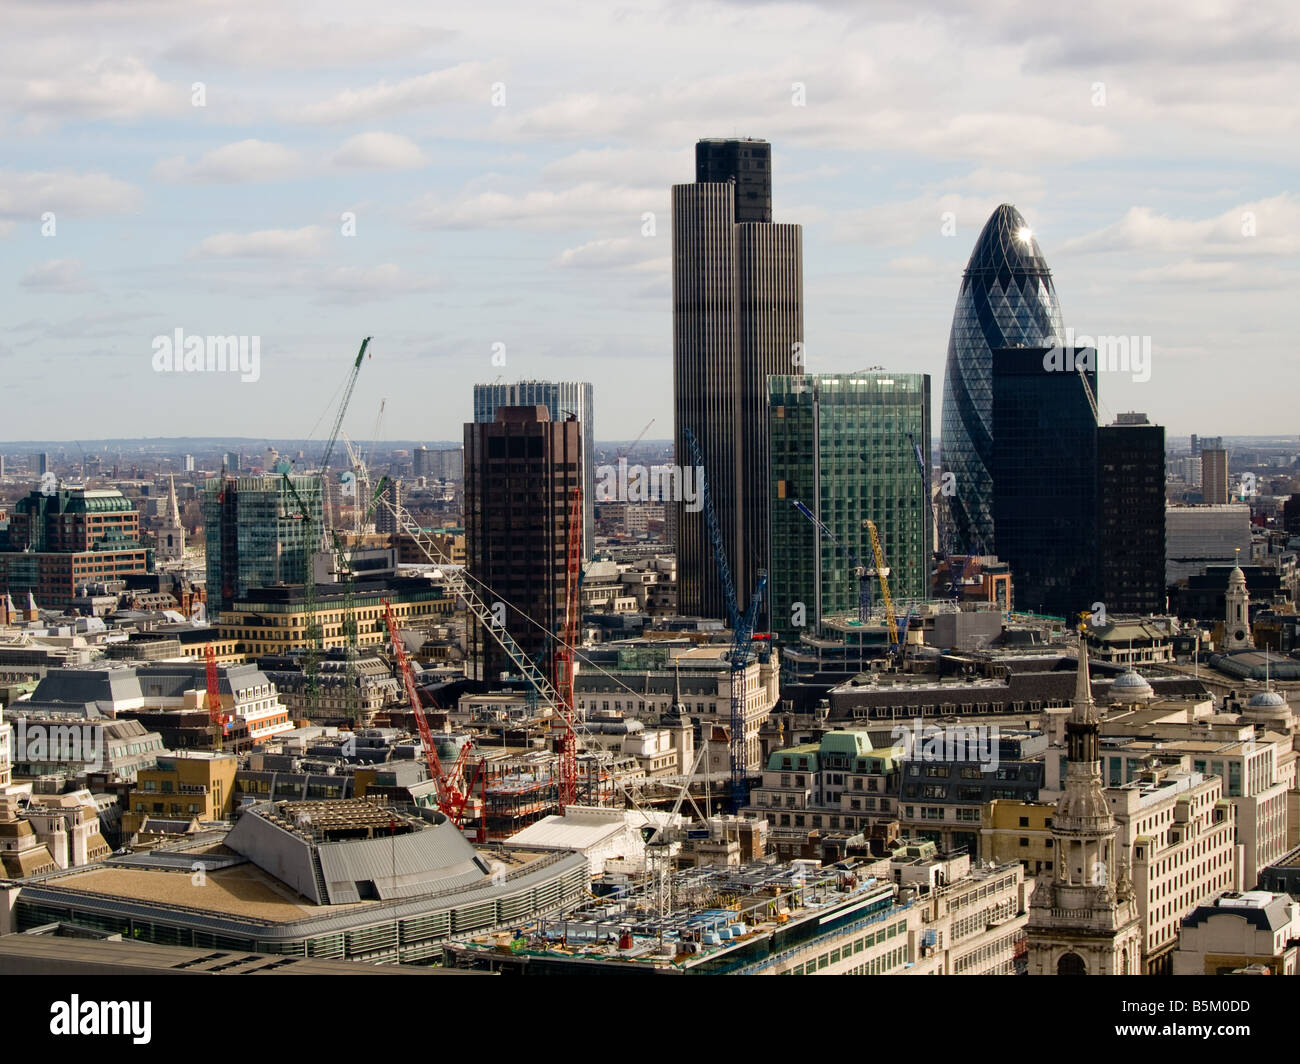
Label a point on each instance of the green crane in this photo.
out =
(313, 634)
(343, 555)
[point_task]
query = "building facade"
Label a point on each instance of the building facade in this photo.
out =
(737, 319)
(843, 445)
(563, 400)
(521, 472)
(1083, 913)
(61, 541)
(1044, 473)
(1131, 523)
(255, 533)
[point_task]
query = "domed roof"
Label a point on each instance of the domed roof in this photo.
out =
(1130, 686)
(1269, 708)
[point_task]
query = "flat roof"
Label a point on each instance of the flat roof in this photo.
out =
(28, 954)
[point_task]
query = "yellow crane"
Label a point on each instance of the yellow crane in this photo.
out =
(883, 573)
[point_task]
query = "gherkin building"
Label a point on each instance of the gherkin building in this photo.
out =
(1006, 300)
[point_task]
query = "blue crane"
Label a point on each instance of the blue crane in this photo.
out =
(742, 627)
(862, 572)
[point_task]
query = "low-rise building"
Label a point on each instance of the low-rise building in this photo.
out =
(1236, 930)
(197, 784)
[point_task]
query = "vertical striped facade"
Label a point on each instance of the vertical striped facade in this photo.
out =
(737, 316)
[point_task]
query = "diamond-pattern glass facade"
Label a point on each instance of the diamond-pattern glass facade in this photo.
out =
(1007, 299)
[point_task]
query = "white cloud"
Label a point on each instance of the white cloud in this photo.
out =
(1264, 227)
(458, 84)
(641, 254)
(122, 88)
(65, 276)
(28, 195)
(265, 244)
(360, 284)
(583, 205)
(380, 151)
(244, 162)
(275, 39)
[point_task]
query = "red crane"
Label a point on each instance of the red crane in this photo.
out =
(566, 742)
(453, 791)
(219, 720)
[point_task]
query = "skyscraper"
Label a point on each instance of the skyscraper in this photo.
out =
(1006, 299)
(1044, 474)
(255, 535)
(841, 445)
(1131, 524)
(1214, 475)
(562, 399)
(520, 472)
(737, 319)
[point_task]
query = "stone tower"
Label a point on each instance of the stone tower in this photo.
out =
(1083, 917)
(1236, 621)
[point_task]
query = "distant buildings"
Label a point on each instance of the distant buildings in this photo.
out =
(737, 319)
(1006, 299)
(564, 401)
(1044, 480)
(448, 464)
(1214, 476)
(256, 534)
(1201, 536)
(60, 541)
(843, 445)
(520, 474)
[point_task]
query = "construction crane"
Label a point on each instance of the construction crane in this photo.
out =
(742, 627)
(882, 572)
(715, 534)
(861, 571)
(219, 721)
(362, 483)
(459, 583)
(338, 419)
(312, 538)
(566, 742)
(312, 632)
(343, 566)
(453, 791)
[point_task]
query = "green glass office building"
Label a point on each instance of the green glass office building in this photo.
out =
(842, 444)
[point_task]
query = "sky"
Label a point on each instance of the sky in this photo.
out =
(485, 190)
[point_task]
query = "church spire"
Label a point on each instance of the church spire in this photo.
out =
(173, 511)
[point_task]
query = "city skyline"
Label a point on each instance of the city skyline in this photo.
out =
(1164, 215)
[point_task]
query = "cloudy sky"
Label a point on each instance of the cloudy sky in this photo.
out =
(193, 166)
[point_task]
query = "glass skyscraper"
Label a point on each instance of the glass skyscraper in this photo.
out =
(839, 443)
(1045, 481)
(255, 535)
(1007, 299)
